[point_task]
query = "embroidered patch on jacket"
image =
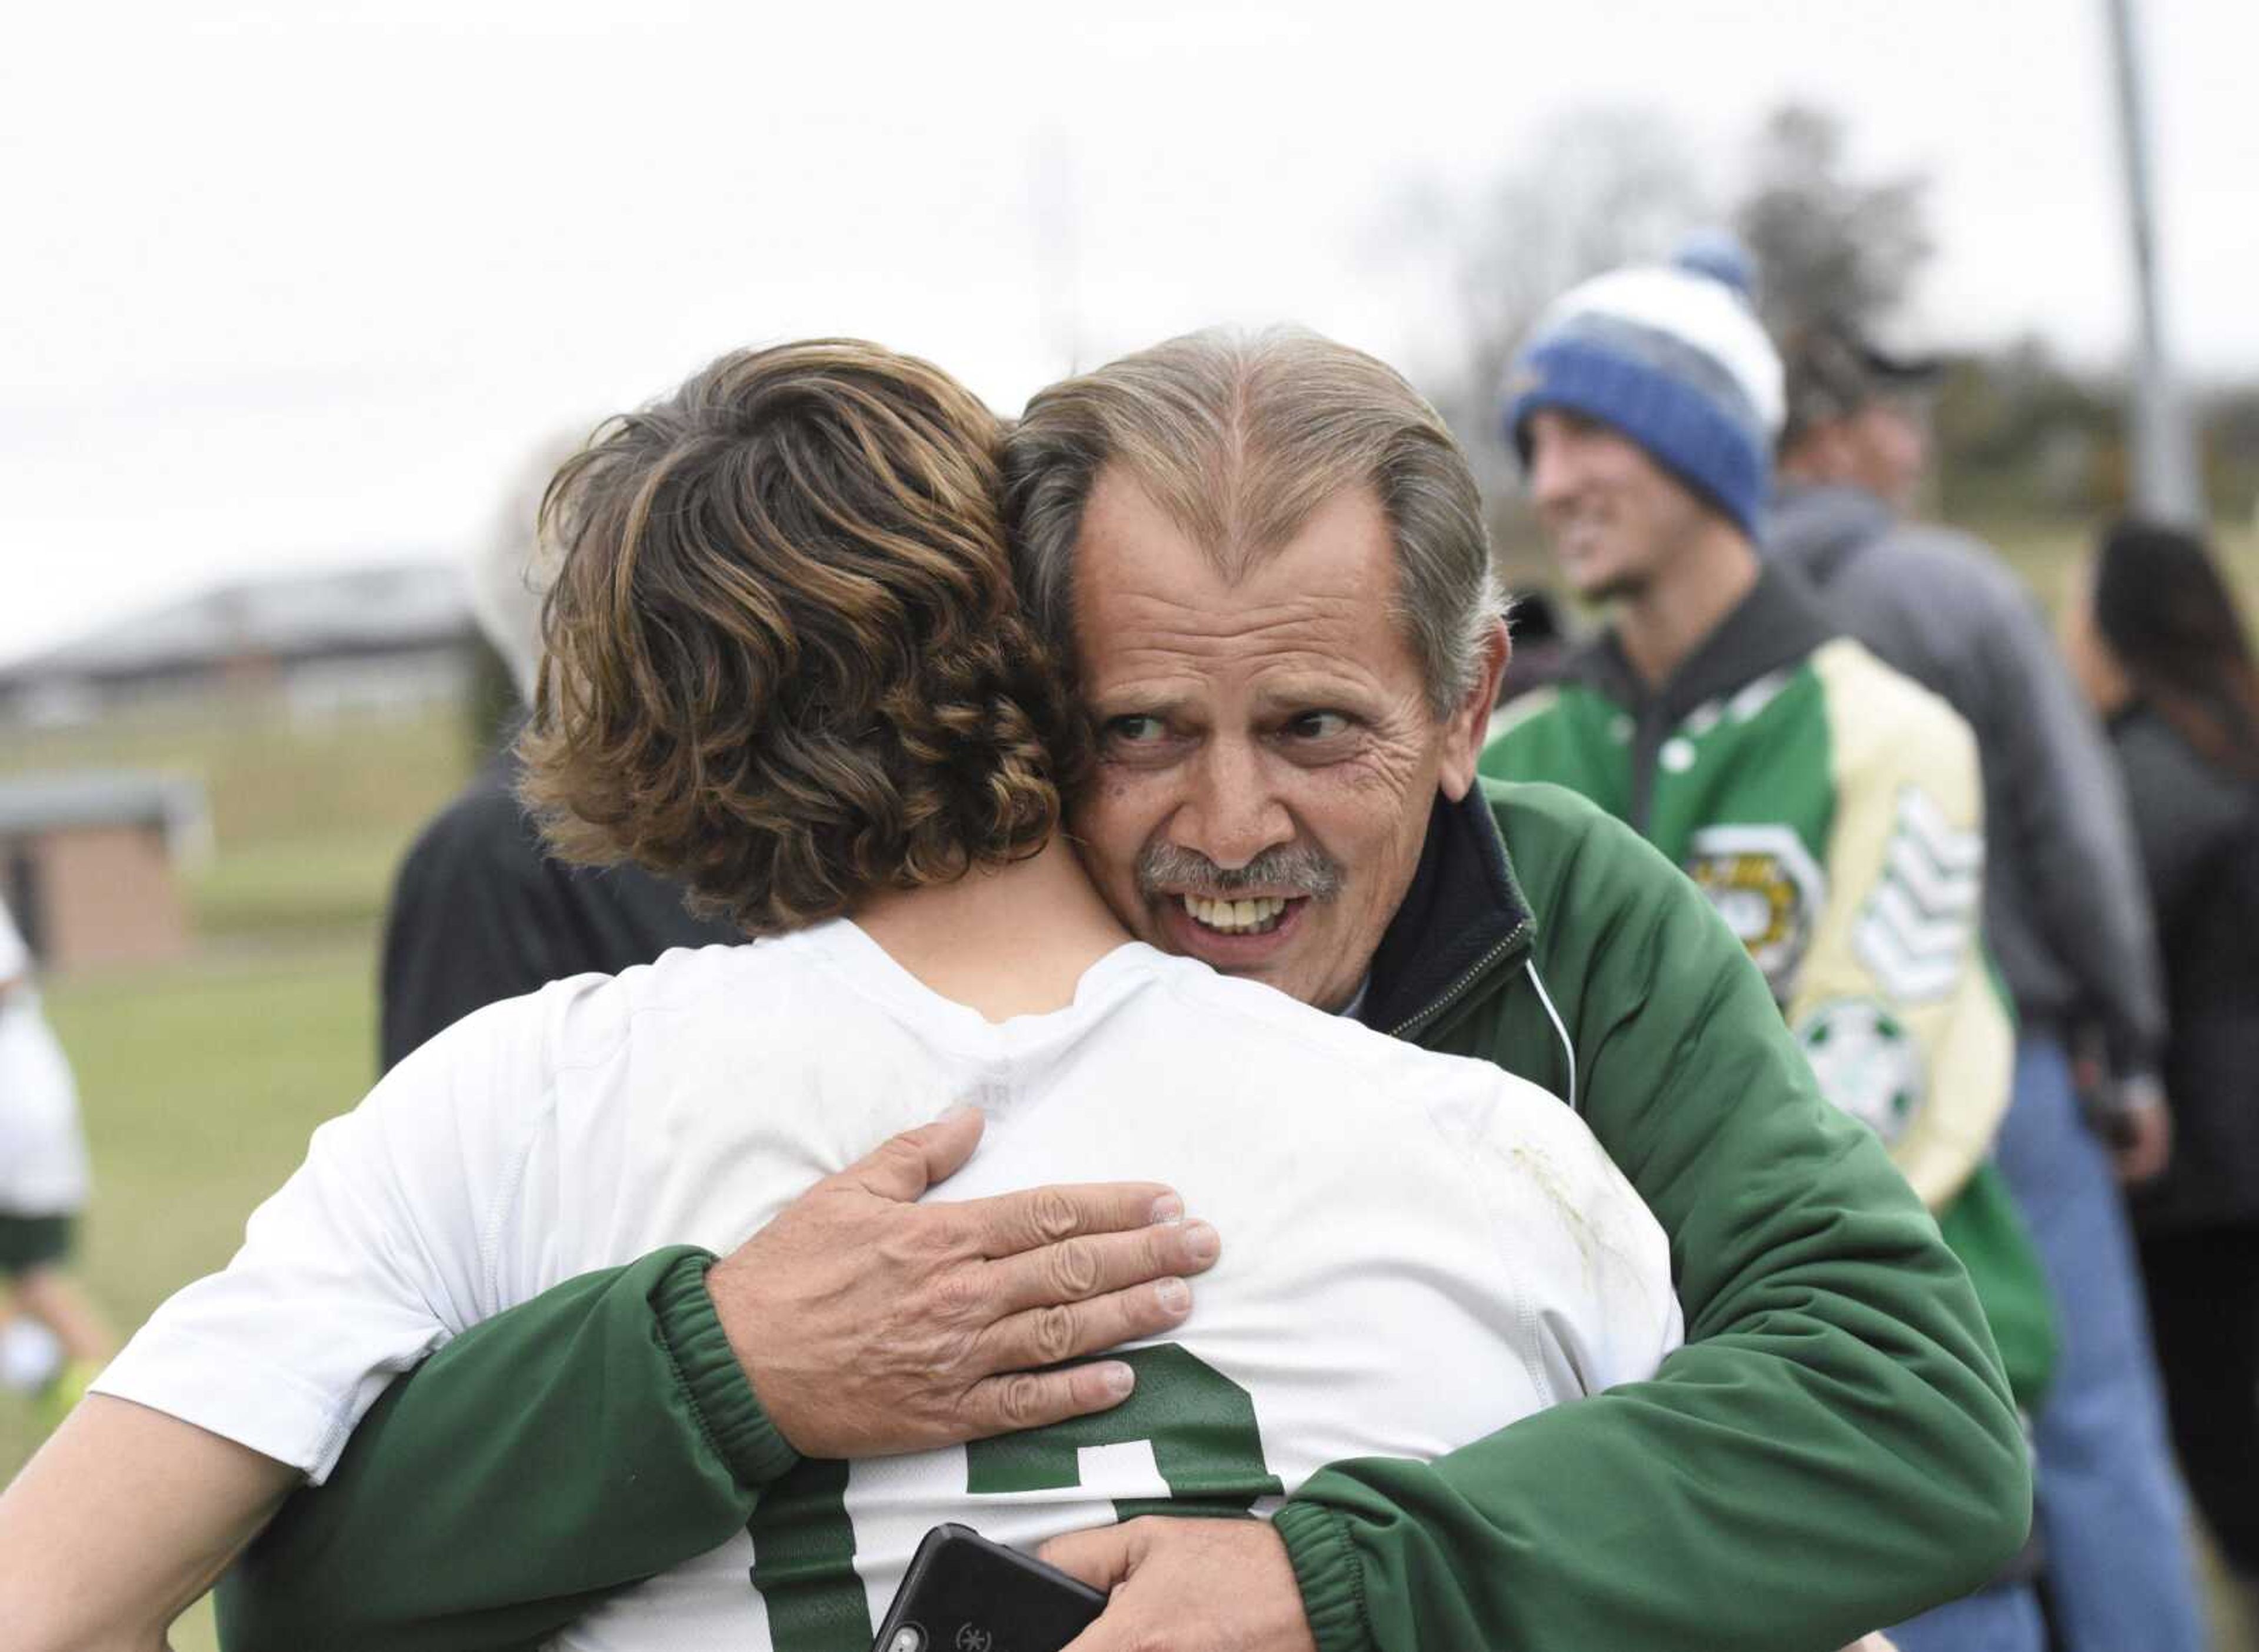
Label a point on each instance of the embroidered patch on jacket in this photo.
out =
(1768, 889)
(1866, 1062)
(1915, 931)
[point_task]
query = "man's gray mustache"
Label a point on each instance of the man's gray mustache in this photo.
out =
(1296, 866)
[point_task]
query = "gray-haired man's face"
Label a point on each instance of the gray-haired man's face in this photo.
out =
(1267, 759)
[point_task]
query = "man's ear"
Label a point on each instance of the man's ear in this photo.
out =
(1470, 721)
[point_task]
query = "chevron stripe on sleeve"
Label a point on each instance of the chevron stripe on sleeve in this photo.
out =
(1915, 930)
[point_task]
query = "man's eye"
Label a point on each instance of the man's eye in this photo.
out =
(1317, 725)
(1136, 729)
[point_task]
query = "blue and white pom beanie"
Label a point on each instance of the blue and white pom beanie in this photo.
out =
(1673, 356)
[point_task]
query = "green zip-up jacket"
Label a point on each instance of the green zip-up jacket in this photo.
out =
(1833, 811)
(1834, 1449)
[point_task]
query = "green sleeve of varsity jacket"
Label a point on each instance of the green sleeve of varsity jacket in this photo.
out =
(590, 1438)
(1835, 1448)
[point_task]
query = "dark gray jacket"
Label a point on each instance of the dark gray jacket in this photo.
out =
(2198, 830)
(2066, 912)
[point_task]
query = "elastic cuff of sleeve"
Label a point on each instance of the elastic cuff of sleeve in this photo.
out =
(1327, 1572)
(756, 1454)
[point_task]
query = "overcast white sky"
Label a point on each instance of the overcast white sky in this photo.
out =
(301, 283)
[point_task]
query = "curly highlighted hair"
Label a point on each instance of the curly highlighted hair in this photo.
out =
(786, 665)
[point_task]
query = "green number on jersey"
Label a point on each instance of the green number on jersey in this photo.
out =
(1206, 1445)
(1201, 1424)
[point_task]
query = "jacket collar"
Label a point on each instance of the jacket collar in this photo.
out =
(1777, 625)
(1463, 917)
(1816, 528)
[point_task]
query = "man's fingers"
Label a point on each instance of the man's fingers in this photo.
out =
(1076, 1270)
(1115, 1631)
(1046, 1336)
(1101, 1636)
(1036, 1399)
(902, 1167)
(1103, 1556)
(1012, 1222)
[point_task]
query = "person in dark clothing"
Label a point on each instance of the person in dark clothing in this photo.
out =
(2067, 921)
(2064, 911)
(2164, 654)
(479, 911)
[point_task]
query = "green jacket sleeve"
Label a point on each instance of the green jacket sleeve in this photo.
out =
(479, 1439)
(1832, 1450)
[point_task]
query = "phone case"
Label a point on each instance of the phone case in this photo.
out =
(963, 1593)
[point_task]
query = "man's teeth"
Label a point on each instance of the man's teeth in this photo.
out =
(1256, 916)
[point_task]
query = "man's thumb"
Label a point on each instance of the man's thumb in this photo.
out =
(1100, 1556)
(902, 1167)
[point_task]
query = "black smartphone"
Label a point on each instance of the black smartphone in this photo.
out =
(963, 1593)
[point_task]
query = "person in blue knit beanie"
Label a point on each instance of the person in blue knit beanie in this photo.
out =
(1673, 358)
(1830, 806)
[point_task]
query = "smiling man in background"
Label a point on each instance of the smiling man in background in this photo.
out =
(1265, 557)
(1829, 807)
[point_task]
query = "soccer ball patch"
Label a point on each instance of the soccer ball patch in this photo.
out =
(1766, 885)
(1866, 1062)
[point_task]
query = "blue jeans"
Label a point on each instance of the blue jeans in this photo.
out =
(2112, 1512)
(2002, 1619)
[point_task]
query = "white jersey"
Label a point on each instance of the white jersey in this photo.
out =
(1417, 1250)
(42, 1154)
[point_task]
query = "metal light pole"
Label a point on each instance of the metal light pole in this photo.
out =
(2166, 485)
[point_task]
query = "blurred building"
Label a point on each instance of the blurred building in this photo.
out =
(88, 863)
(314, 645)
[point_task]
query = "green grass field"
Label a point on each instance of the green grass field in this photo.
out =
(200, 1086)
(200, 1081)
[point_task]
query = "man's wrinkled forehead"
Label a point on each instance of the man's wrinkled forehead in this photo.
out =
(1158, 624)
(1231, 502)
(1129, 539)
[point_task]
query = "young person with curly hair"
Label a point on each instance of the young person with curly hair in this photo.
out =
(787, 667)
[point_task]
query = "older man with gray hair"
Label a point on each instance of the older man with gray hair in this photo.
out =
(1266, 558)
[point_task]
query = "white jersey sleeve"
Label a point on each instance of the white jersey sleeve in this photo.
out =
(1592, 1263)
(381, 1248)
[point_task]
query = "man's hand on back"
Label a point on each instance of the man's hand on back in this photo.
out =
(869, 1324)
(1194, 1585)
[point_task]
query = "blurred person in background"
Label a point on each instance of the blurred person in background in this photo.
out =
(2161, 652)
(1830, 807)
(480, 911)
(43, 1186)
(2067, 918)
